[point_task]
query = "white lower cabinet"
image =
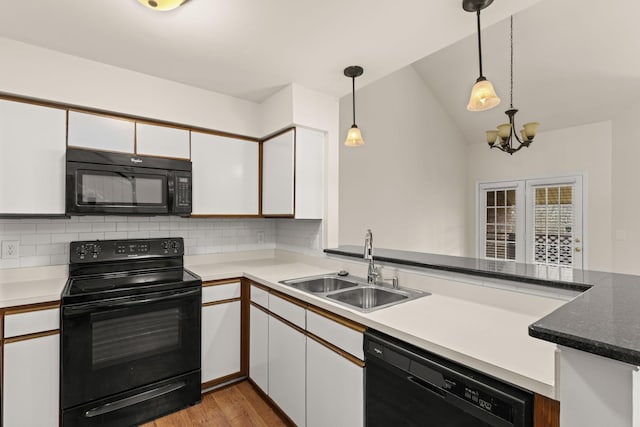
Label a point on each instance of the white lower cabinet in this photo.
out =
(287, 378)
(259, 348)
(335, 388)
(220, 340)
(31, 382)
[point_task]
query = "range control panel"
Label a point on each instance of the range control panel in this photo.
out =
(117, 250)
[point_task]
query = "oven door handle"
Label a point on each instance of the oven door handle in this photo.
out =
(126, 302)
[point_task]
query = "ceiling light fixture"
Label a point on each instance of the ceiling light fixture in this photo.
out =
(163, 5)
(506, 131)
(354, 137)
(483, 95)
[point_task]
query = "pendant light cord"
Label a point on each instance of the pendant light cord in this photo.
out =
(479, 44)
(353, 98)
(511, 45)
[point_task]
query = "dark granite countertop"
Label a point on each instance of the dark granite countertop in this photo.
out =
(603, 320)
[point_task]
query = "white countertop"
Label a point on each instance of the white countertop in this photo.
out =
(489, 338)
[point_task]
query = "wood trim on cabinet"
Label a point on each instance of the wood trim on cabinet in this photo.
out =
(222, 301)
(31, 336)
(290, 299)
(221, 282)
(135, 137)
(222, 380)
(259, 307)
(260, 172)
(338, 319)
(32, 307)
(277, 133)
(32, 101)
(295, 165)
(546, 411)
(350, 357)
(288, 421)
(260, 286)
(245, 322)
(289, 324)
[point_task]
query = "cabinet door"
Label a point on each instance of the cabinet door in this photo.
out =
(98, 132)
(225, 175)
(287, 369)
(220, 340)
(31, 382)
(336, 383)
(162, 141)
(259, 348)
(309, 174)
(32, 159)
(277, 174)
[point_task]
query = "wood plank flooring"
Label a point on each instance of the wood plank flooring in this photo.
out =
(238, 405)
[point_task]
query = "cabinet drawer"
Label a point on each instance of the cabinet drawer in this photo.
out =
(31, 322)
(260, 296)
(287, 310)
(220, 292)
(339, 335)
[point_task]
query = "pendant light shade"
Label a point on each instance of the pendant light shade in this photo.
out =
(354, 136)
(483, 96)
(163, 5)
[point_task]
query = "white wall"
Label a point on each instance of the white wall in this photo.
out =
(407, 183)
(36, 72)
(583, 150)
(626, 197)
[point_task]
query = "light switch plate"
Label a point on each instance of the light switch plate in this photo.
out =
(10, 249)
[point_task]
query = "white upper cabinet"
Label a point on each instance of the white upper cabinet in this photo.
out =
(293, 174)
(32, 159)
(278, 174)
(98, 132)
(225, 175)
(309, 174)
(162, 141)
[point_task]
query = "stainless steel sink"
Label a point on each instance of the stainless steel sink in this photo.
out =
(354, 292)
(322, 284)
(368, 297)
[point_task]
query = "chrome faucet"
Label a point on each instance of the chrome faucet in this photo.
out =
(374, 275)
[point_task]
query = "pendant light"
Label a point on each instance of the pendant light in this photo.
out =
(506, 131)
(354, 136)
(483, 95)
(163, 5)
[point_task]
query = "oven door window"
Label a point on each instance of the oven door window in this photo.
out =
(134, 337)
(119, 344)
(106, 188)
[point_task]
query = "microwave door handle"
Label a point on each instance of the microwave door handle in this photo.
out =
(111, 304)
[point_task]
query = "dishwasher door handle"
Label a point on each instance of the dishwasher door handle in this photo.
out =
(427, 386)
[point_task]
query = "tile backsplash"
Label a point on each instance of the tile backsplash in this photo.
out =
(46, 241)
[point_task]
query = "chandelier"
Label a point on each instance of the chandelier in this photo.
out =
(506, 138)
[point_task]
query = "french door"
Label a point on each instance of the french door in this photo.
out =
(537, 221)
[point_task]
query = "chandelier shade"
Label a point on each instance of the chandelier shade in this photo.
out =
(354, 136)
(163, 5)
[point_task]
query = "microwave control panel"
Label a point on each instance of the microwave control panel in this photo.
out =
(182, 192)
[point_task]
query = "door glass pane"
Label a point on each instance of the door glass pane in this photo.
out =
(500, 224)
(553, 225)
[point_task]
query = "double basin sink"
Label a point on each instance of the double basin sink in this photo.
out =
(353, 292)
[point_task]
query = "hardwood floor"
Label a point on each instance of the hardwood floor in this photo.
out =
(236, 405)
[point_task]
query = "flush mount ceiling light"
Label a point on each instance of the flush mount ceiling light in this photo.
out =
(163, 5)
(506, 131)
(354, 137)
(483, 96)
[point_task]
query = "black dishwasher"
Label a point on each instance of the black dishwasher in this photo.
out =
(408, 386)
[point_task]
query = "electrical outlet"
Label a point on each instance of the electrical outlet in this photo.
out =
(260, 237)
(10, 249)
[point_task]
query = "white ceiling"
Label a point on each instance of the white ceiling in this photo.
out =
(251, 48)
(575, 63)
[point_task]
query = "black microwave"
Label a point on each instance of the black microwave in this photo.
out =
(106, 183)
